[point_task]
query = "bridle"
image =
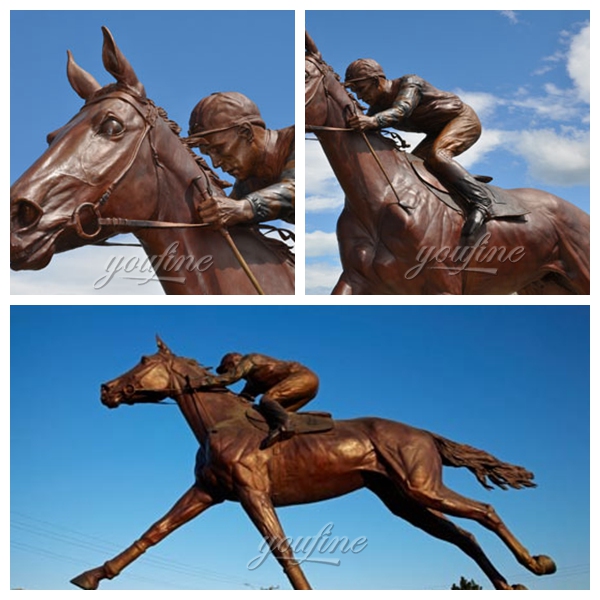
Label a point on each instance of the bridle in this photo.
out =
(173, 390)
(86, 210)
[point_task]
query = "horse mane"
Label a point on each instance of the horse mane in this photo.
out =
(199, 160)
(319, 59)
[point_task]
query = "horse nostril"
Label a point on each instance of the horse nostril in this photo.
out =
(24, 214)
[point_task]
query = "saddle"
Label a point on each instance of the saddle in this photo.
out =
(503, 204)
(303, 422)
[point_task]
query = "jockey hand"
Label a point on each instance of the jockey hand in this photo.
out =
(224, 212)
(362, 122)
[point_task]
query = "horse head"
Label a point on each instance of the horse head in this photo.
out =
(326, 101)
(56, 203)
(153, 379)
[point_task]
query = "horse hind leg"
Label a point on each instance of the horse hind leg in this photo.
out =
(420, 478)
(190, 505)
(436, 525)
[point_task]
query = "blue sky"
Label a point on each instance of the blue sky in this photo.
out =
(526, 73)
(86, 481)
(180, 57)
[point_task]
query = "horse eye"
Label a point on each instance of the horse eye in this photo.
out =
(306, 75)
(111, 127)
(144, 360)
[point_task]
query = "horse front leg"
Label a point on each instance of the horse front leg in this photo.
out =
(190, 505)
(260, 509)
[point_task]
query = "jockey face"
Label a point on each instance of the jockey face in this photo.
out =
(233, 150)
(368, 90)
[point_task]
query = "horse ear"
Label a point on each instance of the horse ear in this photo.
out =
(81, 81)
(310, 46)
(162, 347)
(118, 66)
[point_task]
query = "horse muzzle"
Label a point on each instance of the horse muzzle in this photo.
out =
(32, 237)
(109, 398)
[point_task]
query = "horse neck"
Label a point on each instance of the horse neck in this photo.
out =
(341, 147)
(204, 409)
(181, 257)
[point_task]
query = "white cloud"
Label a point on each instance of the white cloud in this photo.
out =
(324, 203)
(321, 278)
(317, 165)
(578, 63)
(511, 15)
(489, 141)
(76, 271)
(321, 243)
(484, 104)
(554, 158)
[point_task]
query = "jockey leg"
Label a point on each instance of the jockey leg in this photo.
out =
(290, 394)
(473, 191)
(438, 151)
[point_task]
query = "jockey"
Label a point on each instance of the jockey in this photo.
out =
(229, 128)
(285, 386)
(412, 104)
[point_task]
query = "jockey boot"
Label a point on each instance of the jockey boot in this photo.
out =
(278, 420)
(479, 201)
(477, 217)
(475, 193)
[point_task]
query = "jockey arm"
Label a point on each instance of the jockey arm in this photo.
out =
(276, 201)
(407, 99)
(240, 371)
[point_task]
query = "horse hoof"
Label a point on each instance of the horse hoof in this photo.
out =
(518, 586)
(545, 565)
(89, 580)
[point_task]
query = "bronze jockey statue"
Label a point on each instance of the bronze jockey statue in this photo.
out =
(229, 128)
(284, 385)
(412, 104)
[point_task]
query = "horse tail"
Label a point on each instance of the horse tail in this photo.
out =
(483, 465)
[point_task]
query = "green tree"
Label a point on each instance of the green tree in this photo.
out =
(466, 585)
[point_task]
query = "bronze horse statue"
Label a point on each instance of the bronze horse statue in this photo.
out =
(402, 465)
(118, 166)
(396, 236)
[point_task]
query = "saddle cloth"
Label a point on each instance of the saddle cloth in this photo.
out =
(504, 205)
(303, 422)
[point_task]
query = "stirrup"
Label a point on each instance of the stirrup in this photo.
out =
(276, 435)
(476, 218)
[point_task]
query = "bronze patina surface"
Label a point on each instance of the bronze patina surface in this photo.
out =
(392, 214)
(119, 166)
(401, 464)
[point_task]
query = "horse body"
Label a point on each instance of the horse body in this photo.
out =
(401, 464)
(120, 158)
(387, 228)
